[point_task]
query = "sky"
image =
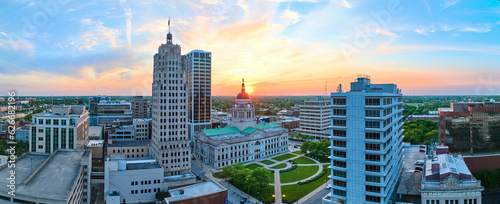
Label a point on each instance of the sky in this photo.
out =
(280, 47)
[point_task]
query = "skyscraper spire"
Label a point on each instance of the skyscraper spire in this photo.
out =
(169, 35)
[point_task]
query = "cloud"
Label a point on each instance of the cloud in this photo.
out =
(128, 20)
(428, 8)
(450, 3)
(294, 16)
(97, 34)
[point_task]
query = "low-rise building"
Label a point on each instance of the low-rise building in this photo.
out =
(447, 180)
(204, 192)
(315, 118)
(131, 180)
(434, 118)
(131, 149)
(62, 177)
(65, 127)
(125, 132)
(95, 132)
(97, 147)
(22, 134)
(142, 128)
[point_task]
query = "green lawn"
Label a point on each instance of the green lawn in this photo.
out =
(253, 166)
(268, 162)
(304, 160)
(279, 166)
(298, 152)
(284, 157)
(291, 190)
(298, 174)
(218, 175)
(266, 195)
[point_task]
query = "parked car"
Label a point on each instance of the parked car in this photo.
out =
(419, 168)
(328, 187)
(417, 171)
(419, 162)
(193, 158)
(422, 150)
(422, 146)
(243, 200)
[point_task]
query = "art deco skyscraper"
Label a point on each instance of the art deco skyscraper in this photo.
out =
(170, 140)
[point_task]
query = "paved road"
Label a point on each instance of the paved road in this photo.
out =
(318, 197)
(197, 170)
(97, 193)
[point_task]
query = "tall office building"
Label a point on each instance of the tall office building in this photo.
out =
(170, 140)
(66, 127)
(315, 118)
(366, 143)
(198, 65)
(139, 106)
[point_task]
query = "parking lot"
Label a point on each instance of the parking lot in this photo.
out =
(410, 156)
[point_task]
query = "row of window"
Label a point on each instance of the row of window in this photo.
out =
(146, 182)
(55, 122)
(144, 191)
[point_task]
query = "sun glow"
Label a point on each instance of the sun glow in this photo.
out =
(249, 89)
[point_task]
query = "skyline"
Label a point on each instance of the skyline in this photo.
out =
(279, 47)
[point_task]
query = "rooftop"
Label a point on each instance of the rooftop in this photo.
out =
(139, 166)
(129, 143)
(262, 126)
(193, 191)
(95, 131)
(439, 167)
(54, 180)
(221, 131)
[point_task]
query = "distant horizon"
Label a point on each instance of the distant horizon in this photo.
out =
(228, 95)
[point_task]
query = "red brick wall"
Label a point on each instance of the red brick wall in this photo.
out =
(479, 163)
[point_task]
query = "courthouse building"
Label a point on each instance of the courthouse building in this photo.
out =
(243, 140)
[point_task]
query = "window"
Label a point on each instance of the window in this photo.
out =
(372, 136)
(372, 113)
(372, 124)
(372, 101)
(372, 157)
(373, 199)
(132, 183)
(372, 168)
(337, 122)
(374, 189)
(339, 192)
(339, 164)
(374, 179)
(56, 122)
(339, 143)
(63, 122)
(371, 146)
(40, 121)
(338, 101)
(339, 173)
(40, 130)
(339, 154)
(339, 133)
(339, 183)
(340, 112)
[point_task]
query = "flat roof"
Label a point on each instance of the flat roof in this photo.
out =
(53, 181)
(139, 166)
(137, 143)
(193, 191)
(95, 131)
(262, 126)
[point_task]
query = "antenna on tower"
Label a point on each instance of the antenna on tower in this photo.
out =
(169, 24)
(326, 88)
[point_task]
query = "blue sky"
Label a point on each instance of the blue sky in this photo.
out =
(67, 47)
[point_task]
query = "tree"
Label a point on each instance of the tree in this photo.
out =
(305, 147)
(160, 195)
(262, 178)
(489, 179)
